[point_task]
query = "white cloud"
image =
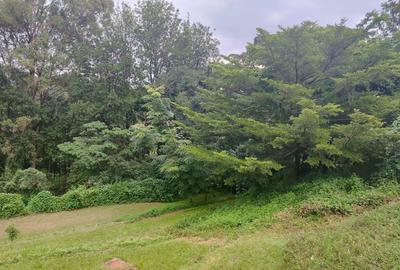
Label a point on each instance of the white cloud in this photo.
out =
(276, 17)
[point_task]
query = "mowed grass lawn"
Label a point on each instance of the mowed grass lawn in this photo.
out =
(86, 239)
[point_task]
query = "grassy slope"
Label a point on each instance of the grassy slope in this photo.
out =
(85, 239)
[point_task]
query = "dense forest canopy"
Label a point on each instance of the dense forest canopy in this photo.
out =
(94, 94)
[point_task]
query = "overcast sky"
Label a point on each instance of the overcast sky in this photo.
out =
(235, 21)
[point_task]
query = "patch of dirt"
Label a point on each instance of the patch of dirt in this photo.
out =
(118, 264)
(283, 215)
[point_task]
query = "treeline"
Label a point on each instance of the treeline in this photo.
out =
(93, 94)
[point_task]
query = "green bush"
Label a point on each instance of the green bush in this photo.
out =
(29, 181)
(150, 190)
(73, 199)
(44, 202)
(90, 197)
(323, 208)
(117, 193)
(392, 161)
(159, 190)
(12, 232)
(11, 205)
(340, 196)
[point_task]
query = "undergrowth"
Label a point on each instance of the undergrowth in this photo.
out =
(316, 199)
(155, 212)
(369, 241)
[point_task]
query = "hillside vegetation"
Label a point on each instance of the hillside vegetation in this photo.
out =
(344, 231)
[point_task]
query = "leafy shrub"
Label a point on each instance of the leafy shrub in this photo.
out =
(6, 183)
(149, 190)
(29, 180)
(12, 209)
(391, 188)
(44, 202)
(117, 193)
(90, 197)
(372, 198)
(323, 208)
(80, 197)
(11, 205)
(158, 190)
(342, 195)
(392, 167)
(73, 199)
(12, 232)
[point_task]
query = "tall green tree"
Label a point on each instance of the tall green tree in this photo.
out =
(303, 54)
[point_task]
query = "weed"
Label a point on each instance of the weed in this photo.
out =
(12, 232)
